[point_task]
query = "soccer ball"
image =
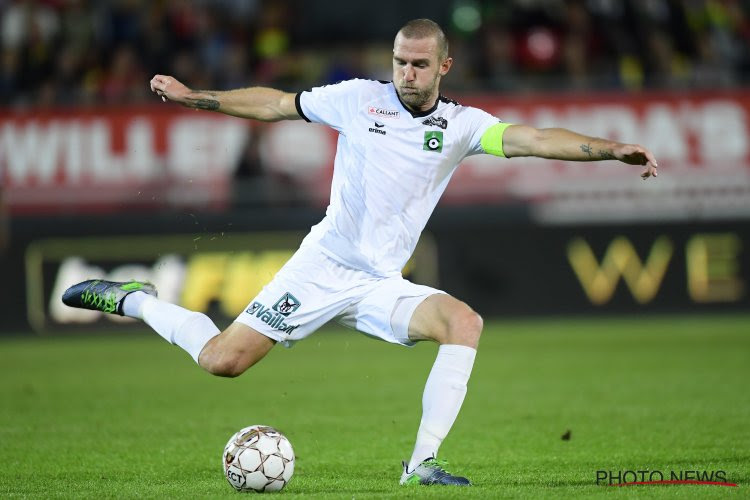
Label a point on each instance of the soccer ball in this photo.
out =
(258, 458)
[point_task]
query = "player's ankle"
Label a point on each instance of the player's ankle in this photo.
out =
(132, 304)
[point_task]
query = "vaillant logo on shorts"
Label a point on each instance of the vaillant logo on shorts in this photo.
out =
(382, 113)
(287, 304)
(273, 319)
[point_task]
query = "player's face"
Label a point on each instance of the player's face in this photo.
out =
(417, 70)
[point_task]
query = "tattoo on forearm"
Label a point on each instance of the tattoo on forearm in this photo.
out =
(606, 155)
(202, 103)
(586, 148)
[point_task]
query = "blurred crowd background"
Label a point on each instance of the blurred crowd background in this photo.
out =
(89, 156)
(79, 52)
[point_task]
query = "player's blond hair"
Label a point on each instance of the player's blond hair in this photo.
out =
(425, 28)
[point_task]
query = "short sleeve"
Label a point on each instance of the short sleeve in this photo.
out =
(479, 123)
(331, 105)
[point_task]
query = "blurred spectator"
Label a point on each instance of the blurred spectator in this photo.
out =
(76, 52)
(28, 22)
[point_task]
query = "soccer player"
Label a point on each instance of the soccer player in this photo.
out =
(399, 143)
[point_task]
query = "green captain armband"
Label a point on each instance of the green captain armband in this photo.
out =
(492, 139)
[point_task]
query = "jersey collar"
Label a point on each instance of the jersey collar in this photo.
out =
(417, 114)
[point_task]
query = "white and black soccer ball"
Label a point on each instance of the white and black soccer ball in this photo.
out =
(258, 458)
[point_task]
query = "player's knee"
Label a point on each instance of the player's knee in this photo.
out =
(221, 363)
(465, 327)
(225, 367)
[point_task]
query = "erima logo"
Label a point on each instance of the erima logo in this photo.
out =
(377, 128)
(273, 319)
(436, 121)
(382, 113)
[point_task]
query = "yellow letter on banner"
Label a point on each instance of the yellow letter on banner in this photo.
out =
(204, 280)
(620, 259)
(712, 267)
(247, 274)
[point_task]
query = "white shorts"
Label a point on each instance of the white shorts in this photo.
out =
(312, 289)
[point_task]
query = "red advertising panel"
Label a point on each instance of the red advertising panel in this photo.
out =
(108, 158)
(105, 159)
(701, 142)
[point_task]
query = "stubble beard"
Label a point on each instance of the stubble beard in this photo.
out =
(417, 98)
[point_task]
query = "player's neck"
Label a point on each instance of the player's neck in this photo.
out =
(428, 105)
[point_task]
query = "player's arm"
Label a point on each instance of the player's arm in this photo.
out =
(563, 144)
(257, 103)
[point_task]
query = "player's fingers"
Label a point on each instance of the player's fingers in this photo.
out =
(160, 81)
(650, 157)
(649, 172)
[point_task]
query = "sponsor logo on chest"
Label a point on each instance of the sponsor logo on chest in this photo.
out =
(383, 113)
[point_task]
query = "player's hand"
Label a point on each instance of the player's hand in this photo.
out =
(169, 88)
(637, 155)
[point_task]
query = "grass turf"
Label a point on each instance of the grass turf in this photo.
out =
(124, 416)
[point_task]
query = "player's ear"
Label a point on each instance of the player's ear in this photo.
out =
(445, 66)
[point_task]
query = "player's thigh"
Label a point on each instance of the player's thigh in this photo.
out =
(235, 350)
(310, 290)
(446, 320)
(384, 307)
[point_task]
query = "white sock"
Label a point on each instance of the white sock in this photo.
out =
(187, 329)
(131, 304)
(443, 395)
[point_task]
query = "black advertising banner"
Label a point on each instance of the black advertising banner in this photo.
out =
(499, 267)
(525, 269)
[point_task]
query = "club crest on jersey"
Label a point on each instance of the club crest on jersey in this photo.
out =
(436, 121)
(383, 113)
(433, 141)
(287, 304)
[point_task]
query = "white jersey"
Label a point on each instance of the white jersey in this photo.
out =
(390, 170)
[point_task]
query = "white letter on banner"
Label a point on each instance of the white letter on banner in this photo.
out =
(204, 148)
(666, 137)
(297, 148)
(139, 146)
(723, 133)
(30, 152)
(105, 166)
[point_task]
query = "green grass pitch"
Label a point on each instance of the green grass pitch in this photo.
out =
(129, 415)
